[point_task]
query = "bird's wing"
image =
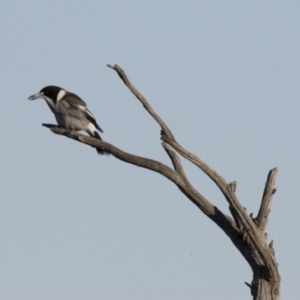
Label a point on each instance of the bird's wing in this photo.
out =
(77, 103)
(73, 101)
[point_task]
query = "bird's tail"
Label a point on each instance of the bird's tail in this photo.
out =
(99, 151)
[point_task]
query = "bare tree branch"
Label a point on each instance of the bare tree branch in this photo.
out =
(239, 213)
(265, 207)
(169, 138)
(167, 135)
(246, 233)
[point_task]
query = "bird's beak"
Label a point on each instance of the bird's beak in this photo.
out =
(35, 96)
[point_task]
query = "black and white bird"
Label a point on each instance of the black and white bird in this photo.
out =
(70, 111)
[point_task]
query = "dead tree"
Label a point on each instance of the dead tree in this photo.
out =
(246, 232)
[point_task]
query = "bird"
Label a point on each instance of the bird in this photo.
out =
(70, 111)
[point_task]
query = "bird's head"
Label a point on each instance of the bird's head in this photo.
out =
(49, 93)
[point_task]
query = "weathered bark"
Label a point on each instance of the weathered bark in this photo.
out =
(246, 233)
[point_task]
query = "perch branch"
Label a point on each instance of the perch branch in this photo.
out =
(223, 221)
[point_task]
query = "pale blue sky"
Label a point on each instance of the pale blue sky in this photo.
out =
(224, 75)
